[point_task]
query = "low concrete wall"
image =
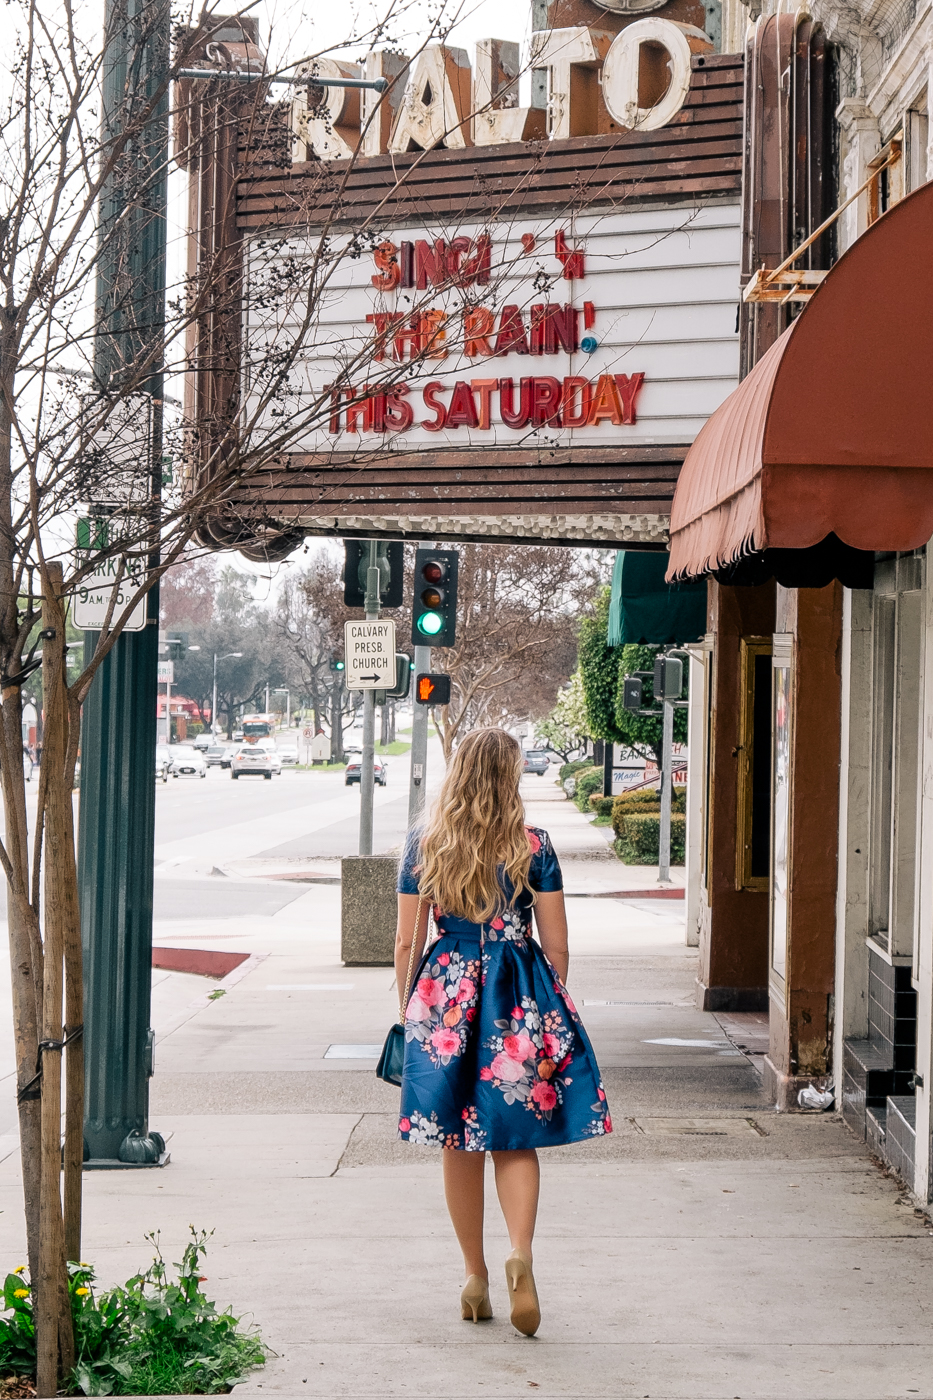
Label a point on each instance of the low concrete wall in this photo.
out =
(368, 910)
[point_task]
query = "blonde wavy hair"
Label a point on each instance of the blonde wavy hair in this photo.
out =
(477, 828)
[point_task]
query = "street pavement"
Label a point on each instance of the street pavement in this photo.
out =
(708, 1249)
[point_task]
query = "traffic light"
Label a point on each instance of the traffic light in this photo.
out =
(434, 609)
(390, 559)
(668, 678)
(432, 690)
(173, 645)
(337, 665)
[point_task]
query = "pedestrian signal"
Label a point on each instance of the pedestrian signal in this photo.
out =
(631, 693)
(668, 678)
(434, 607)
(432, 690)
(390, 559)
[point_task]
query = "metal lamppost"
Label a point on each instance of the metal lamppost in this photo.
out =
(117, 815)
(214, 692)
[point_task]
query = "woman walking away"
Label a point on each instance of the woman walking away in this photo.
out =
(496, 1058)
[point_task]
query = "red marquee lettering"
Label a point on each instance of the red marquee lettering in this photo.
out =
(398, 412)
(545, 403)
(477, 269)
(385, 256)
(511, 335)
(478, 324)
(538, 318)
(429, 394)
(628, 386)
(606, 402)
(485, 388)
(511, 417)
(576, 391)
(407, 264)
(359, 409)
(462, 410)
(430, 264)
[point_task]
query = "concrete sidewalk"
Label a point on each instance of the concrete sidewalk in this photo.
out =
(654, 1244)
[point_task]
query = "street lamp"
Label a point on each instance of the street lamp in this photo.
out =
(284, 690)
(214, 692)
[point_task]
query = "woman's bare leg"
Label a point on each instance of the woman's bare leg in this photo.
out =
(517, 1181)
(463, 1187)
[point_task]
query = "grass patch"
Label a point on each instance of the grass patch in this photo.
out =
(393, 750)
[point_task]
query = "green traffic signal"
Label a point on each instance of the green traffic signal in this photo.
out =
(430, 623)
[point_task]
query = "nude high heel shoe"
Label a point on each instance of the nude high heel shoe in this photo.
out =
(526, 1314)
(474, 1300)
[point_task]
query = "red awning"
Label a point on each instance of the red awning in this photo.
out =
(832, 431)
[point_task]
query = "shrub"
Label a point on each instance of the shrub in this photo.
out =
(567, 770)
(589, 781)
(640, 842)
(602, 806)
(645, 800)
(149, 1337)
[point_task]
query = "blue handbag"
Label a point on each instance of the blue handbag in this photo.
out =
(392, 1059)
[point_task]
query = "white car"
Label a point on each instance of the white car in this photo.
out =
(203, 742)
(256, 758)
(288, 753)
(190, 763)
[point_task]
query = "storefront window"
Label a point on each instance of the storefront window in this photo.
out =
(781, 810)
(753, 847)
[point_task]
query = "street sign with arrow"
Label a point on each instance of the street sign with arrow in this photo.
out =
(370, 654)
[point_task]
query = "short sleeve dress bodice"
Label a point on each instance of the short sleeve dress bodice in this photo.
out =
(496, 1056)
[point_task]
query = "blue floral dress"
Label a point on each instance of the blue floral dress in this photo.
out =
(496, 1057)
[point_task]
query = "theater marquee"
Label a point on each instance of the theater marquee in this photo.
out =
(531, 326)
(613, 329)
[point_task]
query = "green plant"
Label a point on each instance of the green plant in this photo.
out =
(645, 801)
(151, 1336)
(567, 770)
(599, 672)
(589, 781)
(602, 806)
(640, 842)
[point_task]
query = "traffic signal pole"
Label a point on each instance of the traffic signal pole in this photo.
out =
(419, 743)
(667, 765)
(117, 816)
(367, 766)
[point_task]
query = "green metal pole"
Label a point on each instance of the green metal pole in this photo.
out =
(117, 813)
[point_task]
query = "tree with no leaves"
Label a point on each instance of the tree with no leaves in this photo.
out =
(86, 339)
(517, 610)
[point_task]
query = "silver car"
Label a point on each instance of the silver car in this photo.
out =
(256, 758)
(188, 762)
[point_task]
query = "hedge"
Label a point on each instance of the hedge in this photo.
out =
(640, 844)
(645, 801)
(602, 806)
(567, 770)
(589, 781)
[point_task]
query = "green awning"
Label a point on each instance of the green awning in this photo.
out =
(645, 610)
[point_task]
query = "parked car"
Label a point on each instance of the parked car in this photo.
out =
(536, 761)
(288, 753)
(256, 758)
(163, 762)
(217, 757)
(203, 742)
(189, 762)
(238, 736)
(355, 768)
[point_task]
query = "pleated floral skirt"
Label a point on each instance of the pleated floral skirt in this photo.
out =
(496, 1056)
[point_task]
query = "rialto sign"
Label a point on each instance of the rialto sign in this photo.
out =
(592, 83)
(613, 327)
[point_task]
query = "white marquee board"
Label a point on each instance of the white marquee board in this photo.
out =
(657, 298)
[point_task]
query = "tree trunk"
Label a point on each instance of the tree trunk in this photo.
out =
(54, 1331)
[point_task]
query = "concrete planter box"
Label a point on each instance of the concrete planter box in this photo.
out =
(368, 910)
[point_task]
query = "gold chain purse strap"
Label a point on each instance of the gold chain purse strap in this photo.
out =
(403, 1004)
